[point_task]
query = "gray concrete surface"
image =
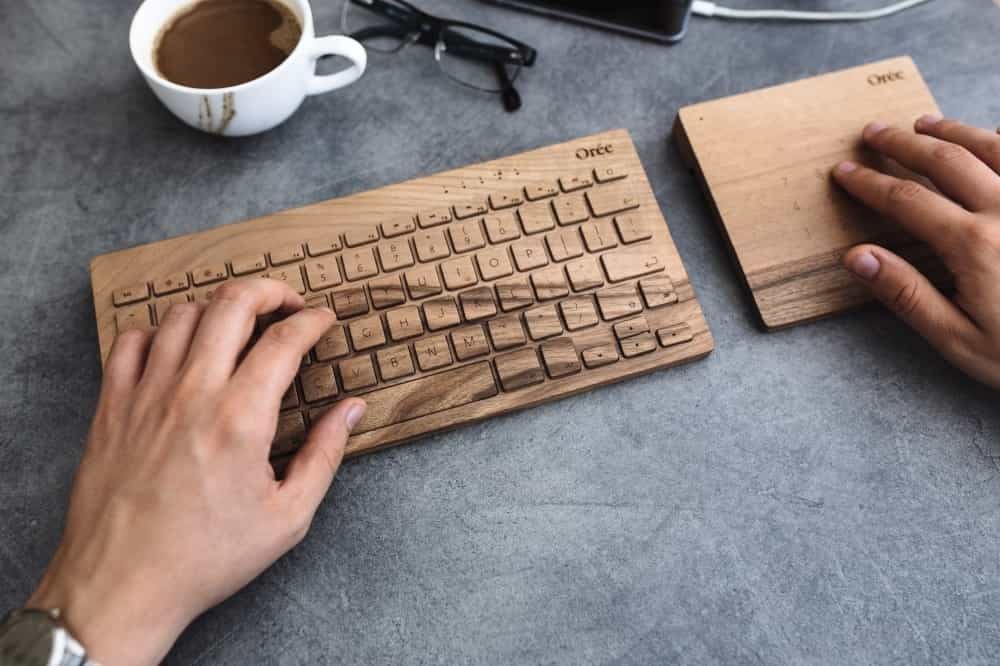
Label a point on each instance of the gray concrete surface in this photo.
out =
(828, 494)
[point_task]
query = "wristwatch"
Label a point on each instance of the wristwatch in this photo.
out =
(31, 637)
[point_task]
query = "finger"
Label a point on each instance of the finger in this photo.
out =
(267, 371)
(311, 472)
(982, 143)
(905, 291)
(172, 341)
(126, 363)
(228, 322)
(926, 215)
(952, 168)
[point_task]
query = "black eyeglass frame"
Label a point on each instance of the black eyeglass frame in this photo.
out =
(415, 26)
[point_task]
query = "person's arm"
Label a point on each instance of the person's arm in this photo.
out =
(175, 506)
(961, 222)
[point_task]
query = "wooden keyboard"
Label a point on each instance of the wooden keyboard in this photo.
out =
(459, 296)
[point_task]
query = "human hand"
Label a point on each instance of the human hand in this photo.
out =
(961, 224)
(175, 506)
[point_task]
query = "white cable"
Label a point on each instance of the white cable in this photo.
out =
(710, 9)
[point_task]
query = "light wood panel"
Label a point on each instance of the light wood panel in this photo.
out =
(452, 376)
(764, 158)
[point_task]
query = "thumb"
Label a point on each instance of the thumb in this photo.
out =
(311, 471)
(904, 290)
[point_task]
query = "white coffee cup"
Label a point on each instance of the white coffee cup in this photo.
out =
(254, 106)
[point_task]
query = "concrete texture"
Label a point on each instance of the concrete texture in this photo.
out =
(828, 494)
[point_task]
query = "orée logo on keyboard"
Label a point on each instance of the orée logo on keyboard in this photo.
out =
(596, 151)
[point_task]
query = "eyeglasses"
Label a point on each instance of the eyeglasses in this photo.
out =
(470, 55)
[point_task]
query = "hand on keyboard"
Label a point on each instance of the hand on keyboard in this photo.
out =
(961, 223)
(175, 505)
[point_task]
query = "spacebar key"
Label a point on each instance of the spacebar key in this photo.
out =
(427, 395)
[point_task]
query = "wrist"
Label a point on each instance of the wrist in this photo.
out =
(122, 623)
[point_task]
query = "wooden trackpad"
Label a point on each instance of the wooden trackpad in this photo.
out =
(764, 158)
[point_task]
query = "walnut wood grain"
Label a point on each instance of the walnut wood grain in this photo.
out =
(764, 158)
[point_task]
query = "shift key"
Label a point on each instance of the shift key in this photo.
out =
(631, 262)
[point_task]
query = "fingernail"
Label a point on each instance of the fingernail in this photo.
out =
(865, 265)
(847, 167)
(355, 414)
(873, 128)
(928, 120)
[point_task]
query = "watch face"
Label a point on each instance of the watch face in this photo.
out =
(26, 638)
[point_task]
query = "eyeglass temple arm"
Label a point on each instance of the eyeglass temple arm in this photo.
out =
(463, 47)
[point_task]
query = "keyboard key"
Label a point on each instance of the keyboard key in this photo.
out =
(560, 357)
(501, 228)
(494, 263)
(357, 373)
(395, 362)
(606, 174)
(576, 182)
(332, 345)
(248, 263)
(386, 292)
(349, 301)
(139, 292)
(395, 255)
(441, 313)
(404, 323)
(514, 294)
(162, 305)
(359, 264)
(133, 316)
(519, 369)
(564, 245)
(630, 263)
(584, 274)
(543, 322)
(432, 353)
(466, 236)
(367, 332)
(358, 237)
(291, 398)
(427, 395)
(638, 345)
(612, 199)
(571, 209)
(433, 218)
(536, 217)
(398, 227)
(549, 283)
(317, 301)
(290, 435)
(458, 273)
(205, 294)
(596, 357)
(470, 209)
(478, 304)
(322, 274)
(675, 335)
(501, 200)
(321, 246)
(423, 282)
(470, 342)
(631, 327)
(287, 255)
(598, 235)
(579, 312)
(171, 284)
(291, 276)
(631, 229)
(431, 245)
(618, 301)
(657, 291)
(318, 383)
(540, 191)
(529, 254)
(209, 274)
(506, 332)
